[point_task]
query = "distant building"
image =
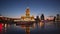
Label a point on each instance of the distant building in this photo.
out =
(51, 18)
(57, 17)
(37, 19)
(1, 15)
(27, 16)
(54, 18)
(42, 17)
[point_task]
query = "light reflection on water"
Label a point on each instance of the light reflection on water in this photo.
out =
(26, 29)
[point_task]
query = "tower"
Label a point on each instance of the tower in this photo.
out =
(27, 16)
(42, 16)
(58, 17)
(27, 12)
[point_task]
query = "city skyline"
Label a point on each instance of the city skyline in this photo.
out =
(17, 8)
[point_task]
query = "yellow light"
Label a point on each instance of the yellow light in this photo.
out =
(41, 24)
(5, 25)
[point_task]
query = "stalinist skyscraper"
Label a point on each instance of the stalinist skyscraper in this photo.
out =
(27, 16)
(27, 12)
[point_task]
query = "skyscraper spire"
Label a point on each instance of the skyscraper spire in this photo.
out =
(27, 12)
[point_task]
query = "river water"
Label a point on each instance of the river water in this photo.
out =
(35, 28)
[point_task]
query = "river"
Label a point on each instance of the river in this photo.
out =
(35, 28)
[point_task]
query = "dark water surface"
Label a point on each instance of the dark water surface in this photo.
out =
(36, 28)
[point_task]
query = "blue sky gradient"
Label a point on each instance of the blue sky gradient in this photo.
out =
(16, 8)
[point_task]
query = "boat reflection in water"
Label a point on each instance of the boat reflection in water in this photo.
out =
(41, 27)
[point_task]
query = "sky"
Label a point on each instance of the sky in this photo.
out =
(17, 8)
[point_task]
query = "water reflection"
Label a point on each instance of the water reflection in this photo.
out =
(41, 24)
(34, 25)
(0, 28)
(27, 29)
(4, 28)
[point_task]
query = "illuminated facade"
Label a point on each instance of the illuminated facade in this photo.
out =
(27, 16)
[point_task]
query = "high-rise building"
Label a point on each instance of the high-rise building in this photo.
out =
(42, 16)
(27, 16)
(37, 19)
(28, 12)
(58, 17)
(54, 18)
